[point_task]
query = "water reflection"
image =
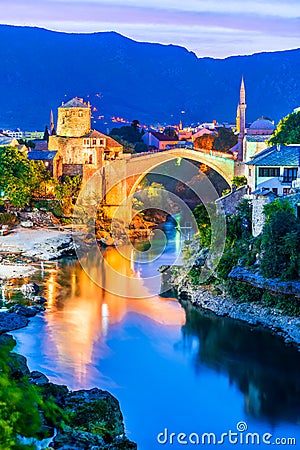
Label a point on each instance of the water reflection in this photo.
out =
(168, 366)
(265, 371)
(80, 313)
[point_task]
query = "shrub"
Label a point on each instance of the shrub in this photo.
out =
(8, 219)
(244, 292)
(22, 406)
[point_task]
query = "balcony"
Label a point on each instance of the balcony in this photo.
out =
(286, 180)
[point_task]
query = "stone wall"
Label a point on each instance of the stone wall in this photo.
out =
(72, 169)
(229, 203)
(73, 122)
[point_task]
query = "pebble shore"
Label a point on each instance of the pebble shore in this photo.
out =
(254, 314)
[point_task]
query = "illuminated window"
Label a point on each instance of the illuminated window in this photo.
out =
(269, 172)
(289, 174)
(91, 159)
(80, 114)
(102, 142)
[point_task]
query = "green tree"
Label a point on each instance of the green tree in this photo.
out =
(225, 140)
(287, 131)
(170, 132)
(21, 406)
(127, 146)
(236, 182)
(67, 191)
(130, 134)
(205, 142)
(140, 147)
(203, 223)
(135, 123)
(280, 241)
(19, 177)
(239, 181)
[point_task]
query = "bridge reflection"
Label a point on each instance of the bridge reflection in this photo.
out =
(80, 314)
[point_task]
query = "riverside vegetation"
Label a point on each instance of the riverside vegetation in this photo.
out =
(37, 412)
(274, 256)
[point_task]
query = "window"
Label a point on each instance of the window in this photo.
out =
(250, 172)
(275, 190)
(102, 142)
(94, 142)
(289, 174)
(286, 191)
(268, 172)
(91, 159)
(80, 114)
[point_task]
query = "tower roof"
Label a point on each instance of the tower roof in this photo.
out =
(242, 83)
(75, 103)
(262, 124)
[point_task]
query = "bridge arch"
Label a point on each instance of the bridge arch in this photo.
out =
(223, 165)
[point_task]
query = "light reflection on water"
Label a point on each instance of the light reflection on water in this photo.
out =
(184, 370)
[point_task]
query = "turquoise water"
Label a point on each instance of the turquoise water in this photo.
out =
(173, 369)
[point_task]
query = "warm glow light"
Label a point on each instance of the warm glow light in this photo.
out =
(87, 312)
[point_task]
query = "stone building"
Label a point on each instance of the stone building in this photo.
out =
(274, 169)
(257, 136)
(81, 150)
(159, 141)
(261, 198)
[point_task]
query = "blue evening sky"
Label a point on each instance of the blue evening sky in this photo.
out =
(217, 28)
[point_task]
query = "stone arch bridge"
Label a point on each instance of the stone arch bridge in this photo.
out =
(119, 178)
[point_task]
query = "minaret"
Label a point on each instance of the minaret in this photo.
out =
(238, 120)
(242, 119)
(51, 122)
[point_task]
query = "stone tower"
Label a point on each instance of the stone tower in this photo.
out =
(74, 118)
(241, 119)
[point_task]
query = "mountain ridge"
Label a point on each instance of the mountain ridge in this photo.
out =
(152, 82)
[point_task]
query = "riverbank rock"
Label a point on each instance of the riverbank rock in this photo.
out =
(18, 366)
(29, 289)
(12, 321)
(271, 284)
(7, 340)
(38, 218)
(107, 242)
(52, 249)
(26, 311)
(39, 300)
(38, 378)
(97, 422)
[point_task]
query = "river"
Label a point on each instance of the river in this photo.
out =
(174, 369)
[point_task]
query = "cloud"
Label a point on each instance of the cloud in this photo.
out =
(185, 23)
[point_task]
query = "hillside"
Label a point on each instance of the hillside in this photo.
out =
(150, 82)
